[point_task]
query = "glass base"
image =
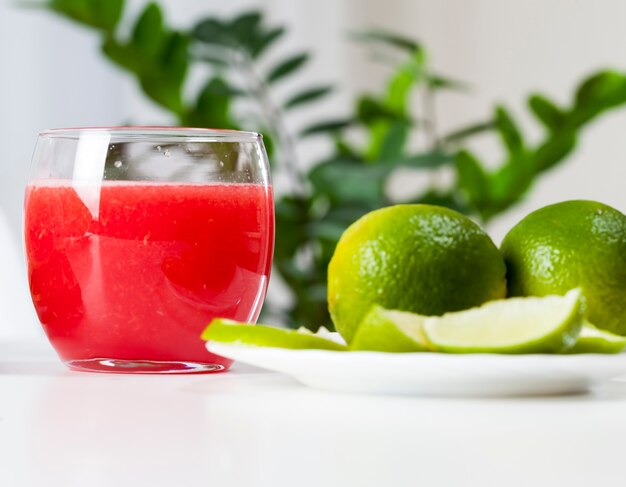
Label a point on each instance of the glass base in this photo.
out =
(117, 366)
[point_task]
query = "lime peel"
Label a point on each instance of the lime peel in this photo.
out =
(594, 340)
(228, 331)
(549, 324)
(383, 330)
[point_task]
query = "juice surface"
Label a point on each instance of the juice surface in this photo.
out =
(134, 270)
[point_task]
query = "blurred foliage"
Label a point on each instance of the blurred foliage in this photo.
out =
(490, 193)
(355, 178)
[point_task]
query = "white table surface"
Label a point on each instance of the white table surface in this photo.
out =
(249, 427)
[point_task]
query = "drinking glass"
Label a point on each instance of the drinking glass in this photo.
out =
(136, 237)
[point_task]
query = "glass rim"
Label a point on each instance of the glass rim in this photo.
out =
(162, 133)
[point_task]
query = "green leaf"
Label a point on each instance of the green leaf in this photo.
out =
(212, 31)
(512, 180)
(324, 127)
(214, 55)
(602, 89)
(291, 219)
(265, 40)
(546, 111)
(307, 96)
(246, 23)
(437, 82)
(473, 181)
(164, 82)
(326, 230)
(148, 34)
(122, 55)
(388, 38)
(510, 134)
(406, 77)
(218, 86)
(347, 213)
(245, 29)
(212, 107)
(370, 110)
(287, 67)
(392, 145)
(101, 14)
(245, 32)
(158, 58)
(344, 181)
(347, 151)
(377, 132)
(428, 160)
(248, 30)
(554, 150)
(469, 131)
(600, 92)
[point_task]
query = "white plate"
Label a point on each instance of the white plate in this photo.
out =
(433, 373)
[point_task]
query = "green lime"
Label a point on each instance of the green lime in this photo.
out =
(593, 340)
(515, 325)
(419, 258)
(227, 331)
(384, 330)
(567, 245)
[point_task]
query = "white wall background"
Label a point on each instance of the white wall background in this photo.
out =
(51, 75)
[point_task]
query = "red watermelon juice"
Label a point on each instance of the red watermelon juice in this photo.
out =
(128, 274)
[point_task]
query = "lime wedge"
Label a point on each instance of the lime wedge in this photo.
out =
(593, 340)
(517, 325)
(227, 331)
(383, 330)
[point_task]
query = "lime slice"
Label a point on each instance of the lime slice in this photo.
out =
(593, 340)
(227, 331)
(516, 325)
(384, 330)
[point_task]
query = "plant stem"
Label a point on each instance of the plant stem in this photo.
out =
(430, 115)
(275, 119)
(430, 129)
